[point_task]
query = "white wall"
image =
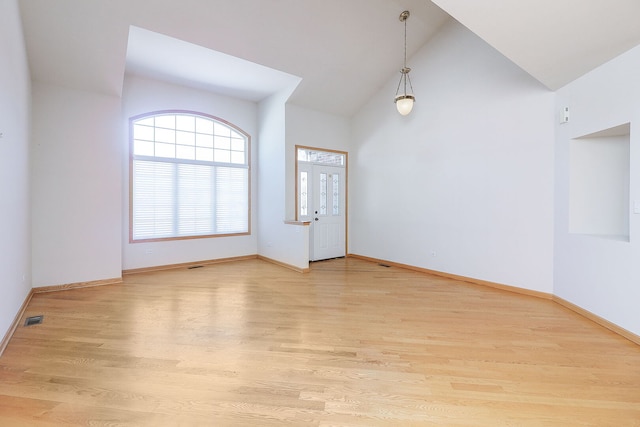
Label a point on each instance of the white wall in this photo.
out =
(312, 129)
(141, 95)
(288, 244)
(464, 184)
(76, 184)
(601, 275)
(15, 240)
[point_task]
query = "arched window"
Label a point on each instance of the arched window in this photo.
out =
(189, 177)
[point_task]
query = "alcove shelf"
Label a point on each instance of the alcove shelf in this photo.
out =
(599, 183)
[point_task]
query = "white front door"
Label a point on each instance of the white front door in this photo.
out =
(327, 212)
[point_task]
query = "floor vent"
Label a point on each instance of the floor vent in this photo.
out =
(195, 266)
(384, 265)
(33, 320)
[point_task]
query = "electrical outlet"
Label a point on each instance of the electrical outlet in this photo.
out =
(434, 254)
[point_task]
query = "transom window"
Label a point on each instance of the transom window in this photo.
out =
(189, 177)
(309, 155)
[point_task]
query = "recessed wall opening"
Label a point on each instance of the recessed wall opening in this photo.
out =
(599, 183)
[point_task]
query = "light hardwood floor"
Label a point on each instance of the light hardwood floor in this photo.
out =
(351, 343)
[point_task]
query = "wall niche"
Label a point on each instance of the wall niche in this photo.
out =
(599, 183)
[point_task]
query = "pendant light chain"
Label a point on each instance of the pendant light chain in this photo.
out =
(405, 59)
(404, 67)
(404, 101)
(405, 43)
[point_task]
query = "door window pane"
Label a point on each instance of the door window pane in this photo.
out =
(336, 194)
(323, 194)
(303, 194)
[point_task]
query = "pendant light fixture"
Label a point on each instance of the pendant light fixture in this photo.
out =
(404, 100)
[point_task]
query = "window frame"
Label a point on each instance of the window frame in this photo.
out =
(246, 166)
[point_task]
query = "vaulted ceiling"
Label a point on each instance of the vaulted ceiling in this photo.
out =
(342, 50)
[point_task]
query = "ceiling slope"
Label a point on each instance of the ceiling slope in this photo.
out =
(343, 50)
(556, 41)
(154, 55)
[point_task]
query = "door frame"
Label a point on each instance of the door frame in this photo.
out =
(346, 188)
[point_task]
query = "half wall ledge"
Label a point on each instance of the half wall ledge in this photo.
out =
(294, 222)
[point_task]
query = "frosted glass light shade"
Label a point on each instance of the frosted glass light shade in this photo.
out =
(404, 103)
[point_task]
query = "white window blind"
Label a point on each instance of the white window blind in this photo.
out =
(190, 177)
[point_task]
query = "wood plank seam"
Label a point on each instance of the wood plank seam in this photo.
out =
(573, 307)
(597, 319)
(350, 343)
